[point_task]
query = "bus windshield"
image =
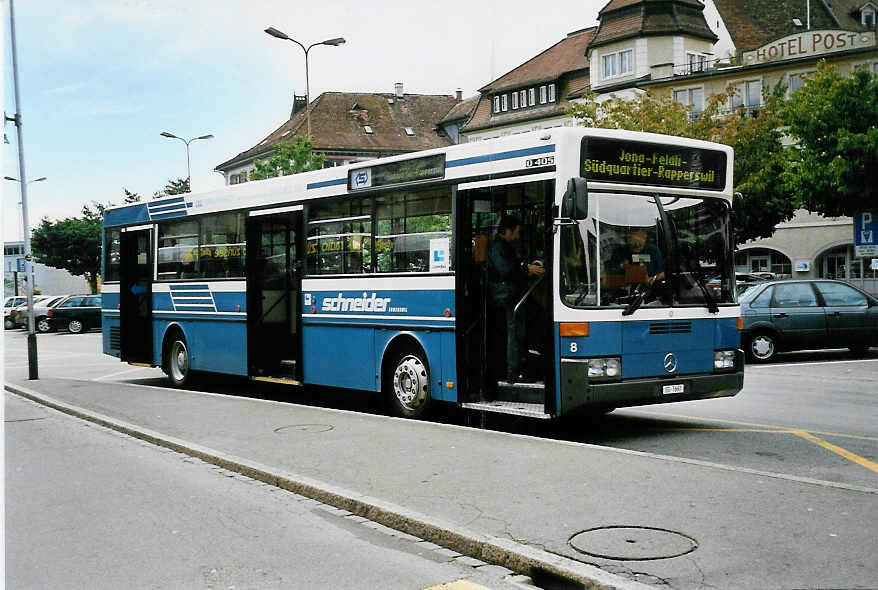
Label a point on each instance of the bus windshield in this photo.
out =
(650, 251)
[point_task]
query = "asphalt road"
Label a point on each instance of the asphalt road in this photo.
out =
(92, 508)
(811, 414)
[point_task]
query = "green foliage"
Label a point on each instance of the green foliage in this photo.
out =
(129, 197)
(173, 187)
(289, 159)
(833, 120)
(73, 244)
(759, 154)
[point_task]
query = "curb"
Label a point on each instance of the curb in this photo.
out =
(519, 558)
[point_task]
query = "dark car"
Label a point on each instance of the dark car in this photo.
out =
(789, 315)
(77, 313)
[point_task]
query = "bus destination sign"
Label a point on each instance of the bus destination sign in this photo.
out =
(637, 162)
(416, 169)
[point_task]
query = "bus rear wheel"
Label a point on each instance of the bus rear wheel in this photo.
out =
(407, 385)
(176, 362)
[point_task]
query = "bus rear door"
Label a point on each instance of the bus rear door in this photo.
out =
(135, 296)
(274, 316)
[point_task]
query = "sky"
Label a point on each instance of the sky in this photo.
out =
(100, 80)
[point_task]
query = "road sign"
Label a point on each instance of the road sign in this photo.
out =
(866, 233)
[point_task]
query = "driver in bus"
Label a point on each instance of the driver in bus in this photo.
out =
(507, 282)
(642, 254)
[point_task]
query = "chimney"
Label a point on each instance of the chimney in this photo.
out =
(398, 90)
(458, 94)
(299, 103)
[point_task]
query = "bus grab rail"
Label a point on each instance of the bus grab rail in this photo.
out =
(526, 295)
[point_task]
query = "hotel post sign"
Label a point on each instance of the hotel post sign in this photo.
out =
(810, 43)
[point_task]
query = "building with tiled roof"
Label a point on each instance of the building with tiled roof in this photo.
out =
(355, 126)
(534, 95)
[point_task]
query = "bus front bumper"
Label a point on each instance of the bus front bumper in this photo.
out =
(578, 393)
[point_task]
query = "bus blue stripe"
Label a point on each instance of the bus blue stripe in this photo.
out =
(327, 183)
(155, 204)
(189, 287)
(180, 213)
(501, 156)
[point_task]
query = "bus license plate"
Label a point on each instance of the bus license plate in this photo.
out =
(675, 388)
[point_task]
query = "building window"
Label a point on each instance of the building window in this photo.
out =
(551, 93)
(409, 131)
(618, 63)
(542, 95)
(496, 104)
(504, 103)
(514, 100)
(798, 80)
(532, 96)
(522, 98)
(691, 97)
(875, 68)
(367, 128)
(747, 94)
(867, 16)
(697, 62)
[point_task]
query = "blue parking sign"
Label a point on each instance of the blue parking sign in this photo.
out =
(866, 233)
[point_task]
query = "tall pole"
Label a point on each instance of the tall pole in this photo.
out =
(33, 370)
(307, 94)
(187, 142)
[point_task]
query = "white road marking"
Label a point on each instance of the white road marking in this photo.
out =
(815, 363)
(117, 373)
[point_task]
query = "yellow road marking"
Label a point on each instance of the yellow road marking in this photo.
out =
(837, 450)
(770, 427)
(458, 585)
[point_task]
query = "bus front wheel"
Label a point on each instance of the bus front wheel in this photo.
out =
(407, 384)
(176, 363)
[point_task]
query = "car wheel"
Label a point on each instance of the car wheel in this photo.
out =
(407, 385)
(859, 349)
(43, 325)
(75, 326)
(762, 347)
(176, 362)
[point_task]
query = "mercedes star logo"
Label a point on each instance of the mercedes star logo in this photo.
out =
(670, 362)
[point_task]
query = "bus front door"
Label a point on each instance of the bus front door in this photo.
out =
(274, 262)
(135, 296)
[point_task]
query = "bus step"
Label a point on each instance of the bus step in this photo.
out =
(533, 393)
(282, 380)
(288, 367)
(515, 408)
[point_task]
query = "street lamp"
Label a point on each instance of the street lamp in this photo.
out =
(188, 171)
(334, 42)
(21, 210)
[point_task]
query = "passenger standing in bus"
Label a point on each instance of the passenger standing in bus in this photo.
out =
(507, 281)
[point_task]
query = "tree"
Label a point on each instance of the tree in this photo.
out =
(289, 159)
(73, 244)
(833, 120)
(173, 187)
(755, 137)
(129, 197)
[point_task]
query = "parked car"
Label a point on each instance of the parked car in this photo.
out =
(812, 314)
(40, 308)
(21, 309)
(76, 313)
(8, 305)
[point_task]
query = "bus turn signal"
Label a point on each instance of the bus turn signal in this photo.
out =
(574, 329)
(740, 323)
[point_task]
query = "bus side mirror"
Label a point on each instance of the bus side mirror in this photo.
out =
(737, 201)
(575, 202)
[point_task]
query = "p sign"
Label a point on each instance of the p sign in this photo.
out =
(439, 255)
(866, 233)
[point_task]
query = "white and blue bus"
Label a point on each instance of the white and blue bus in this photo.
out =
(377, 276)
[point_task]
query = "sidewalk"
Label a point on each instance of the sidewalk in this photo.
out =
(514, 500)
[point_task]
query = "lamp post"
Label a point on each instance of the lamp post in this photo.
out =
(21, 213)
(187, 142)
(334, 42)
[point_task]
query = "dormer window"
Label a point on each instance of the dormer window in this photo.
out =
(618, 63)
(697, 62)
(496, 104)
(367, 129)
(868, 15)
(514, 100)
(409, 131)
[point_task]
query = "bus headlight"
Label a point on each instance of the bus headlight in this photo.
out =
(605, 368)
(724, 359)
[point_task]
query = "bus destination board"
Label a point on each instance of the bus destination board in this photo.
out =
(637, 162)
(416, 169)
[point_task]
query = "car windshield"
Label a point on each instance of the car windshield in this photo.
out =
(651, 250)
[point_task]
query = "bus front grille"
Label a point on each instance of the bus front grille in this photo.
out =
(670, 327)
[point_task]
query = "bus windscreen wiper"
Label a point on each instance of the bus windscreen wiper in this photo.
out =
(712, 307)
(635, 303)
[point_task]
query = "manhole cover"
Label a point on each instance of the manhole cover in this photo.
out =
(310, 428)
(632, 543)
